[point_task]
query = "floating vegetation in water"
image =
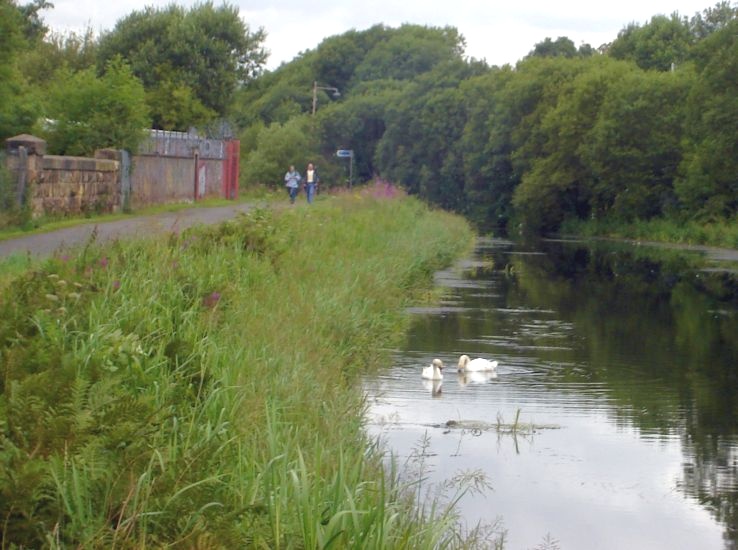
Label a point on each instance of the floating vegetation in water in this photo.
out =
(476, 427)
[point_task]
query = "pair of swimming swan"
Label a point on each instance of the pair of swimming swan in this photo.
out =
(434, 370)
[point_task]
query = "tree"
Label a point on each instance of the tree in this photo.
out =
(337, 57)
(278, 146)
(90, 112)
(58, 51)
(635, 147)
(410, 51)
(659, 44)
(421, 147)
(359, 122)
(488, 176)
(557, 184)
(561, 47)
(708, 184)
(18, 104)
(209, 50)
(712, 19)
(33, 26)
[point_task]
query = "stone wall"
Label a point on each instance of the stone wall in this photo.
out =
(76, 185)
(169, 167)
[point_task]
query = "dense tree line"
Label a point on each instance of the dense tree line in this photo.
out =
(639, 128)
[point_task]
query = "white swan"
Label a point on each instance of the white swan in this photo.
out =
(435, 387)
(433, 371)
(476, 365)
(476, 377)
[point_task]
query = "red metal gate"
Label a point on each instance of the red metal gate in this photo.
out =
(230, 168)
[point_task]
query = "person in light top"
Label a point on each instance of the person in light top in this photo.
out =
(311, 182)
(292, 182)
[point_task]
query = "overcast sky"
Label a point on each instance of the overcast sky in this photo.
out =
(498, 31)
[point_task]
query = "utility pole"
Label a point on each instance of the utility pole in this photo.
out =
(333, 89)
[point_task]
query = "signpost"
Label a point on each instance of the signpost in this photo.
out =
(344, 153)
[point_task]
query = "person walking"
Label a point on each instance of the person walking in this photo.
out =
(311, 182)
(292, 182)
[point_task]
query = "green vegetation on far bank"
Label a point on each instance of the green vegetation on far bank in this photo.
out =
(202, 390)
(722, 233)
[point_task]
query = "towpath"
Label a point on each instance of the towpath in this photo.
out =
(45, 244)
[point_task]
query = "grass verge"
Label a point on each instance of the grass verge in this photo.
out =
(722, 234)
(201, 390)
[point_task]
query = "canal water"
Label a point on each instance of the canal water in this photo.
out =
(620, 365)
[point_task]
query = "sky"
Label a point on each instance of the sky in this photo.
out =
(497, 31)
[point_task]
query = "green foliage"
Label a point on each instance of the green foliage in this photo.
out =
(420, 147)
(202, 389)
(278, 146)
(568, 134)
(174, 106)
(561, 47)
(635, 149)
(18, 102)
(656, 45)
(90, 112)
(33, 27)
(70, 51)
(722, 233)
(410, 51)
(708, 184)
(202, 55)
(358, 123)
(488, 176)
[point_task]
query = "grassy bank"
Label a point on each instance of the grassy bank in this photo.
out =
(722, 234)
(201, 390)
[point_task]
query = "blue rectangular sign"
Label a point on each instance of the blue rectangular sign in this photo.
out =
(344, 153)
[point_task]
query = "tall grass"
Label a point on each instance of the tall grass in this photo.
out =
(201, 390)
(721, 233)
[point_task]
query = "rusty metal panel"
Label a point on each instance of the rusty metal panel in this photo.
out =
(181, 144)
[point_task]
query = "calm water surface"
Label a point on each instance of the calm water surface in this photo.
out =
(630, 351)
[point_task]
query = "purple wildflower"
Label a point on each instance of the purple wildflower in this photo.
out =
(211, 299)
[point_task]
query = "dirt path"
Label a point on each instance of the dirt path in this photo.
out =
(44, 244)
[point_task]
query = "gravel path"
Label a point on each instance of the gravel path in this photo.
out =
(45, 244)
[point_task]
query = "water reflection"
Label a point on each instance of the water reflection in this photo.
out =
(630, 350)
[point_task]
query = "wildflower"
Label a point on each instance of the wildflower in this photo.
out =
(211, 300)
(52, 297)
(61, 283)
(52, 276)
(116, 284)
(104, 262)
(74, 295)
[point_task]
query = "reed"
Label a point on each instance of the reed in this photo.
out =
(201, 390)
(721, 233)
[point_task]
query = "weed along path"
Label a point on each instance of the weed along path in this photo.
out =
(44, 244)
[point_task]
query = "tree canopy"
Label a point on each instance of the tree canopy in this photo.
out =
(633, 130)
(190, 62)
